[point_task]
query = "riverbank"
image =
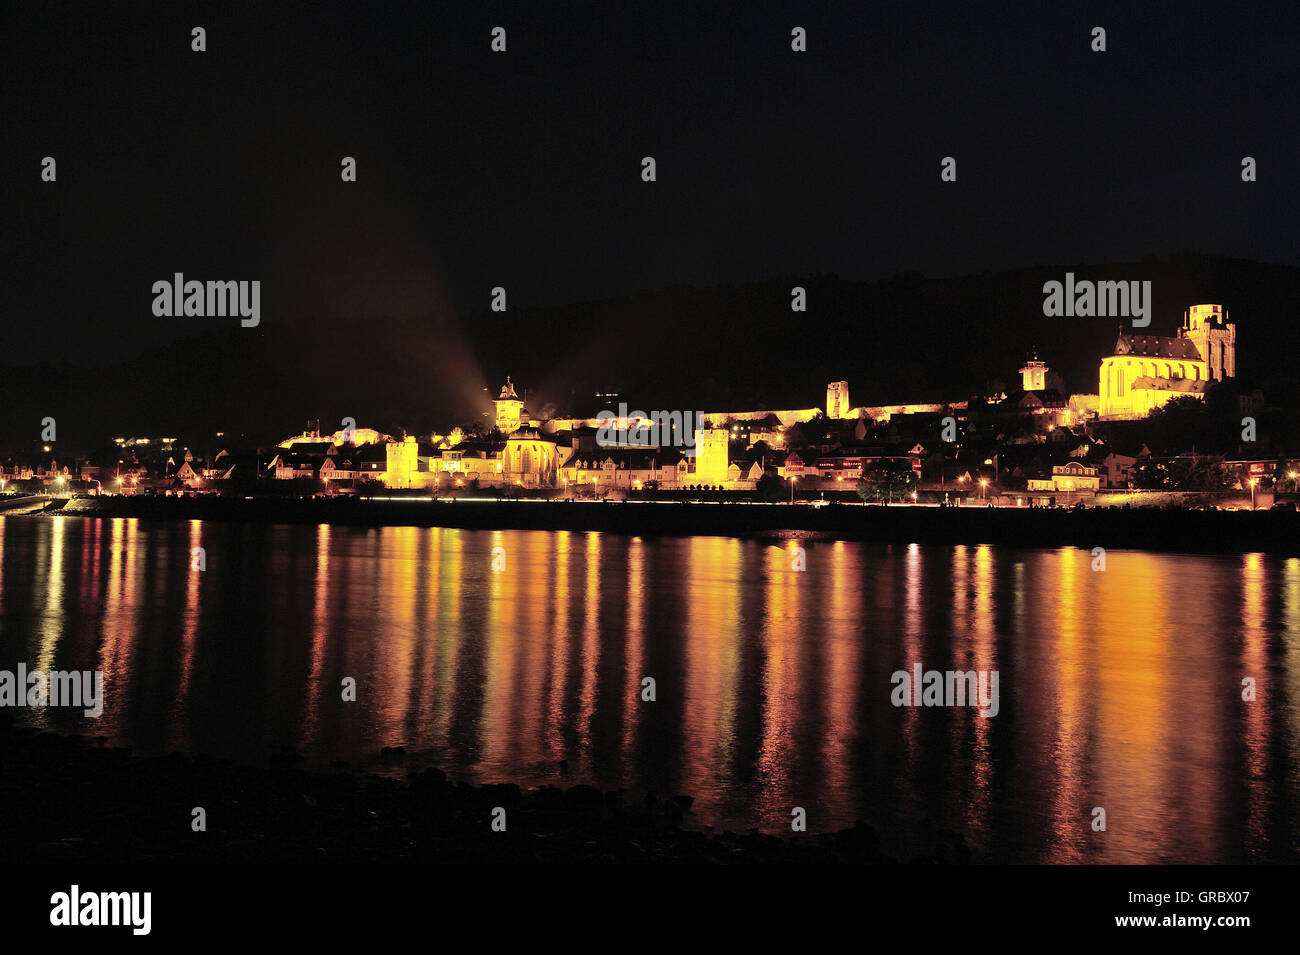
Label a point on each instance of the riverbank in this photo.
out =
(1276, 532)
(64, 800)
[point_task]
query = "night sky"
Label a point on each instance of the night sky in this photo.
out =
(478, 169)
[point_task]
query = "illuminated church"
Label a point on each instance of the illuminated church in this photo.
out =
(529, 457)
(1146, 371)
(511, 412)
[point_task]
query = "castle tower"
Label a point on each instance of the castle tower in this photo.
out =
(509, 409)
(1208, 328)
(711, 455)
(402, 459)
(837, 400)
(1033, 375)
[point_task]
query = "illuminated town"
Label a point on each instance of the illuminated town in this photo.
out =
(1027, 446)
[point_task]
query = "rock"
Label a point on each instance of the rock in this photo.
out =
(583, 799)
(506, 795)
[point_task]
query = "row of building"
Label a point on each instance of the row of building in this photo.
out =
(730, 450)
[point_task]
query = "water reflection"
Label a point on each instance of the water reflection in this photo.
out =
(498, 654)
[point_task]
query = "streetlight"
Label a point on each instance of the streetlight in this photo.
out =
(793, 478)
(1253, 482)
(984, 483)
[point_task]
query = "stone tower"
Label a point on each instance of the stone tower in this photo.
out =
(711, 455)
(837, 400)
(1208, 328)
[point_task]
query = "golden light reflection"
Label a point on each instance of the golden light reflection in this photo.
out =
(712, 645)
(1120, 687)
(119, 623)
(783, 689)
(1256, 715)
(981, 648)
(53, 620)
(320, 631)
(1065, 703)
(189, 627)
(561, 639)
(590, 642)
(635, 599)
(1289, 664)
(841, 675)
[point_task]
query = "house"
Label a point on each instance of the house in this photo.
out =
(1118, 469)
(793, 465)
(338, 468)
(1068, 478)
(744, 472)
(369, 461)
(190, 473)
(624, 468)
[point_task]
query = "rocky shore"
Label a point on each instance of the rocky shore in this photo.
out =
(65, 801)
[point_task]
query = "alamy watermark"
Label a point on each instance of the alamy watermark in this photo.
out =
(946, 688)
(658, 429)
(1085, 299)
(208, 299)
(75, 688)
(128, 909)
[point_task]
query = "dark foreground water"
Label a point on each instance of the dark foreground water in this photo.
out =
(496, 654)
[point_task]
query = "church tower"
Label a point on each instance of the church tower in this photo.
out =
(1034, 375)
(1208, 328)
(509, 409)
